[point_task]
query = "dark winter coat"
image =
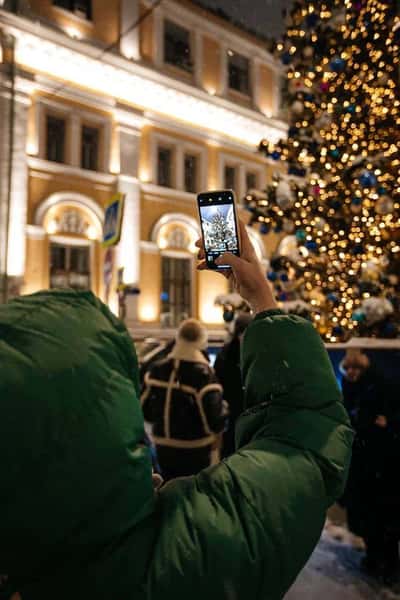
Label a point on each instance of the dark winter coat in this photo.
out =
(373, 486)
(227, 370)
(183, 402)
(79, 518)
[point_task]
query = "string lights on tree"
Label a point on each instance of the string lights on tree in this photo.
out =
(338, 207)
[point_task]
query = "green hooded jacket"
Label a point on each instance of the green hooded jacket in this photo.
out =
(78, 515)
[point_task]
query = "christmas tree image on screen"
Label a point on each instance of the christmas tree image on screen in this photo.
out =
(219, 228)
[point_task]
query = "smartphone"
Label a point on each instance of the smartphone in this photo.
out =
(219, 225)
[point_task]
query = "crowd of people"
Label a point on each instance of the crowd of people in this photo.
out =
(193, 409)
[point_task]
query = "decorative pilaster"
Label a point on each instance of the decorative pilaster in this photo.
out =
(14, 103)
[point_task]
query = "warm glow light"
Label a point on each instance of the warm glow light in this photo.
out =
(144, 175)
(148, 312)
(73, 32)
(211, 314)
(137, 86)
(52, 227)
(92, 232)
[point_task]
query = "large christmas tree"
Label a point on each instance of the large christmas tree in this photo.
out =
(339, 202)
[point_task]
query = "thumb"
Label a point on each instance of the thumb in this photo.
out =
(232, 261)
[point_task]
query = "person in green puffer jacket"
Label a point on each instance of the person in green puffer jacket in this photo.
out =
(79, 518)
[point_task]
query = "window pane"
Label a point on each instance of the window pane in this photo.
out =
(164, 167)
(177, 46)
(176, 290)
(190, 173)
(90, 148)
(230, 178)
(55, 139)
(82, 8)
(79, 260)
(239, 73)
(251, 181)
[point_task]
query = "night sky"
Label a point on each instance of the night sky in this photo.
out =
(262, 16)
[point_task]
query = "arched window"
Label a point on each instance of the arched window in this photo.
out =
(175, 235)
(73, 223)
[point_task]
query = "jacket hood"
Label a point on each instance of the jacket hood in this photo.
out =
(75, 475)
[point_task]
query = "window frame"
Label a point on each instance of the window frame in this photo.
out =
(172, 175)
(189, 72)
(99, 129)
(59, 117)
(187, 153)
(248, 94)
(86, 15)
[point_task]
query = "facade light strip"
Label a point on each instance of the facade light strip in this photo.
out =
(48, 58)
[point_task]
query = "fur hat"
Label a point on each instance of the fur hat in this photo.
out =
(192, 332)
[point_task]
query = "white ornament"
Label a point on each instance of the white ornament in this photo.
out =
(384, 205)
(376, 309)
(284, 195)
(298, 307)
(297, 107)
(289, 248)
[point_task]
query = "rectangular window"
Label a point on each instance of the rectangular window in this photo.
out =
(238, 73)
(69, 267)
(177, 51)
(55, 139)
(230, 178)
(251, 181)
(82, 8)
(191, 180)
(164, 164)
(176, 294)
(90, 148)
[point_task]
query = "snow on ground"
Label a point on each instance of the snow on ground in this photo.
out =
(333, 572)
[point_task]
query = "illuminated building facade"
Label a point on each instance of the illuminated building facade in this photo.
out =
(158, 102)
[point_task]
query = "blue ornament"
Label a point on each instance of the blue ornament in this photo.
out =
(389, 329)
(296, 171)
(358, 316)
(282, 297)
(337, 64)
(272, 276)
(351, 109)
(357, 249)
(164, 296)
(335, 153)
(312, 19)
(275, 155)
(311, 245)
(284, 277)
(337, 330)
(382, 191)
(356, 201)
(286, 58)
(277, 228)
(301, 235)
(368, 179)
(332, 297)
(264, 228)
(309, 97)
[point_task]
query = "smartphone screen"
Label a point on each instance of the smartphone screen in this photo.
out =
(218, 225)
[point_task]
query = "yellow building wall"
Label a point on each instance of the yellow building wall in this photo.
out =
(36, 274)
(104, 25)
(150, 287)
(41, 188)
(210, 285)
(146, 36)
(267, 90)
(211, 76)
